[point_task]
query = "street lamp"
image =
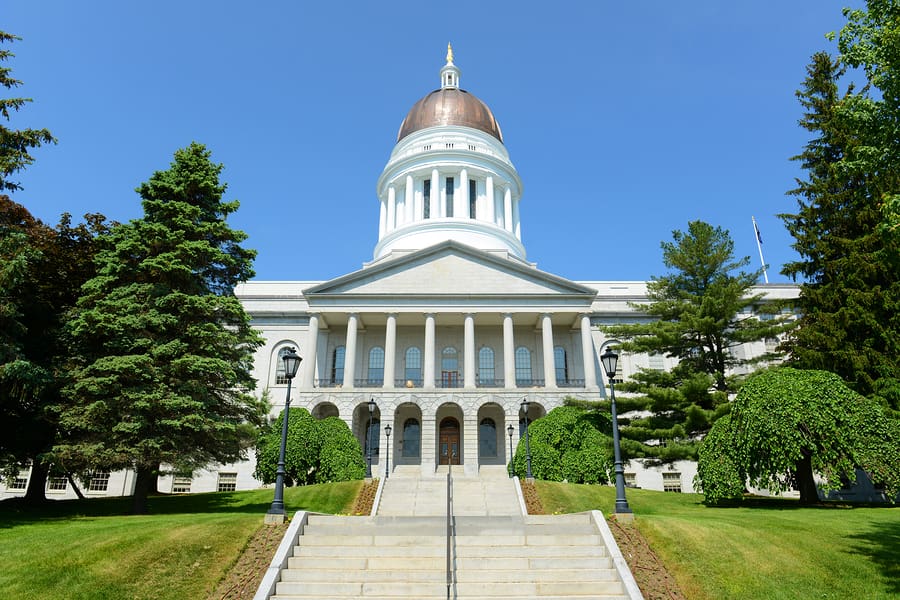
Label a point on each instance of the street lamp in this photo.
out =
(528, 474)
(387, 458)
(609, 360)
(369, 439)
(291, 364)
(510, 430)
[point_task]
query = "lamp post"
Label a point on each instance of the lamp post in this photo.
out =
(510, 430)
(609, 360)
(276, 512)
(387, 458)
(528, 475)
(369, 439)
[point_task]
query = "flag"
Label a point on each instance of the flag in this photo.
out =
(758, 236)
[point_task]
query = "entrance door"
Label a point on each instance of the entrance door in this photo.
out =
(448, 442)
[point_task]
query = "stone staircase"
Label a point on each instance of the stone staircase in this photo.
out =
(501, 558)
(496, 552)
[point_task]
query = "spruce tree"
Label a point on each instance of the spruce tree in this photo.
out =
(698, 313)
(164, 350)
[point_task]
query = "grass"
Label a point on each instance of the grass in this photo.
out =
(92, 550)
(766, 549)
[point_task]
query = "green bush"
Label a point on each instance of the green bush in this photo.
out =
(316, 451)
(568, 444)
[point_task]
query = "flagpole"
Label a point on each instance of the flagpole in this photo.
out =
(759, 247)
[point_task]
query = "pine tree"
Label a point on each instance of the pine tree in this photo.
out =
(850, 294)
(15, 144)
(164, 348)
(698, 313)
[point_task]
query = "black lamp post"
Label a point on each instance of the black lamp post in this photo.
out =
(291, 364)
(609, 360)
(369, 439)
(387, 458)
(510, 430)
(525, 404)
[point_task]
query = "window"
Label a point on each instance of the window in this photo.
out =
(630, 480)
(414, 366)
(376, 366)
(280, 378)
(486, 366)
(473, 198)
(426, 199)
(487, 438)
(337, 365)
(771, 344)
(227, 482)
(656, 362)
(18, 483)
(671, 482)
(99, 481)
(448, 189)
(559, 361)
(449, 367)
(57, 484)
(523, 366)
(181, 484)
(412, 438)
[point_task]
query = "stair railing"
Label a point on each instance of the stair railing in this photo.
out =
(450, 523)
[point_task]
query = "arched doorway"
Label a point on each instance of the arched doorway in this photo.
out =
(448, 442)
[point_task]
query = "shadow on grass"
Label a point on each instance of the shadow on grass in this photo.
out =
(14, 512)
(882, 546)
(776, 503)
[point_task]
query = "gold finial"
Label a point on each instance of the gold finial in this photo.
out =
(449, 54)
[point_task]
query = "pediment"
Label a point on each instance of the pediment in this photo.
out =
(450, 269)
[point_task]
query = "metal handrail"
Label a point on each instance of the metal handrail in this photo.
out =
(449, 522)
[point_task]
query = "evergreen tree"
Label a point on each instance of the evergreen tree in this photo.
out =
(849, 265)
(164, 350)
(697, 314)
(15, 144)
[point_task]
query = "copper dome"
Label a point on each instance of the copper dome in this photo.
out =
(450, 106)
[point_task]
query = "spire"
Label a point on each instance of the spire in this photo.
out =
(450, 72)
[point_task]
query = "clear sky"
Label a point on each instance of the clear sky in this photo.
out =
(625, 120)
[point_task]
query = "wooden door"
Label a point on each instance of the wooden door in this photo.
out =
(448, 442)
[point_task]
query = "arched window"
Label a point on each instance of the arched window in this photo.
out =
(486, 366)
(559, 361)
(337, 365)
(449, 367)
(412, 438)
(523, 366)
(487, 438)
(376, 366)
(414, 365)
(280, 378)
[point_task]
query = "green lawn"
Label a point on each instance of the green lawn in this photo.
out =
(764, 549)
(91, 550)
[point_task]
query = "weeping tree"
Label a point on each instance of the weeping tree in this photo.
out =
(786, 426)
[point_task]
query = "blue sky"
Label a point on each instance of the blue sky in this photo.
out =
(625, 120)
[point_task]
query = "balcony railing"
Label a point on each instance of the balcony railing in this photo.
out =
(570, 383)
(489, 383)
(449, 383)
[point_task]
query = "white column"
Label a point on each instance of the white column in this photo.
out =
(309, 354)
(410, 195)
(461, 196)
(390, 350)
(507, 209)
(509, 351)
(391, 208)
(517, 223)
(435, 209)
(489, 193)
(587, 352)
(469, 351)
(418, 212)
(382, 220)
(549, 363)
(350, 350)
(428, 374)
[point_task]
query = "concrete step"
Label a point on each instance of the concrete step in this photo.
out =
(439, 589)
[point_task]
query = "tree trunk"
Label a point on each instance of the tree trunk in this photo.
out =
(809, 494)
(37, 483)
(145, 480)
(75, 486)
